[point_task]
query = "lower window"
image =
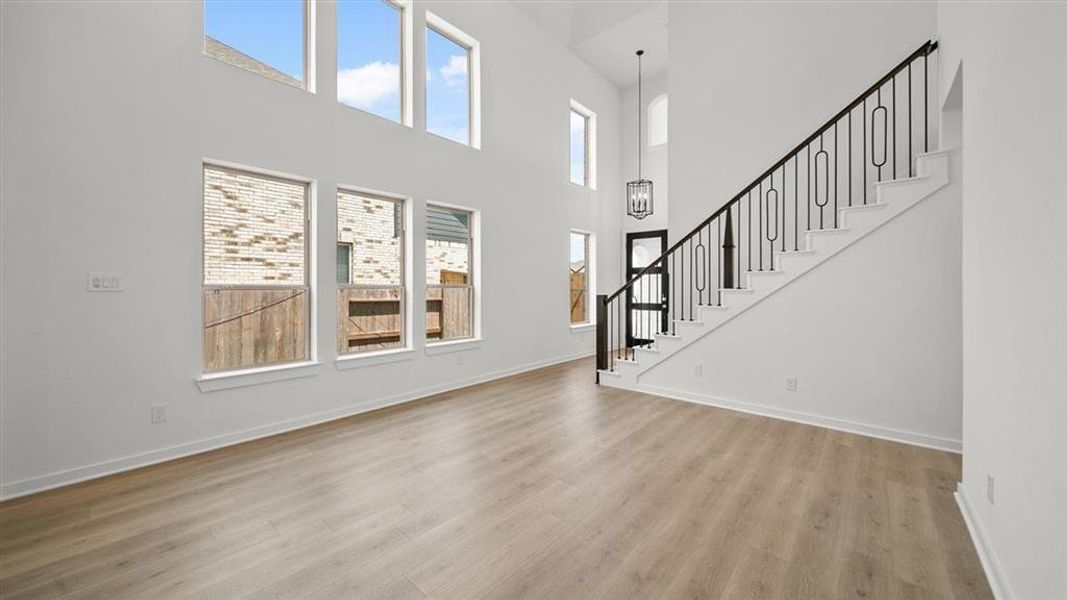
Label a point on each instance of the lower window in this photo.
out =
(256, 298)
(449, 280)
(370, 273)
(580, 271)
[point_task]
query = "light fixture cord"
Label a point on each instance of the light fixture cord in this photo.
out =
(639, 132)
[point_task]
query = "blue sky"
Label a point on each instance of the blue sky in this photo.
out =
(368, 57)
(577, 248)
(447, 88)
(578, 124)
(271, 31)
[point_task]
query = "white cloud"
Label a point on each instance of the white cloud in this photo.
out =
(366, 86)
(455, 72)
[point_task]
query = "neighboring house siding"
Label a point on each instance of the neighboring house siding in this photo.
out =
(253, 229)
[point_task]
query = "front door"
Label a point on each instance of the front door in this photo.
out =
(646, 300)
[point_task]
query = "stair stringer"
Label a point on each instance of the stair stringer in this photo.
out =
(892, 199)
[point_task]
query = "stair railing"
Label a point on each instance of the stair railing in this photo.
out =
(835, 166)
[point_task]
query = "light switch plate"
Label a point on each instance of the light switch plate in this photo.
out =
(104, 282)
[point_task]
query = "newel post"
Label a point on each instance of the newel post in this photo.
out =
(728, 252)
(601, 334)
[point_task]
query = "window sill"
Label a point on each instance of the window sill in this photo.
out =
(366, 359)
(453, 346)
(212, 382)
(583, 327)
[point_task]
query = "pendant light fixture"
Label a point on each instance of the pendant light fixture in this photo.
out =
(639, 191)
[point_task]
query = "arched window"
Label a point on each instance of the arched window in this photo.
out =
(657, 121)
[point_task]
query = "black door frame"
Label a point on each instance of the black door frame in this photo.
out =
(661, 303)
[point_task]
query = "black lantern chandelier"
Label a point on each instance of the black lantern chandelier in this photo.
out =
(639, 192)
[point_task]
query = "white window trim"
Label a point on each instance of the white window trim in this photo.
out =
(476, 279)
(407, 89)
(226, 380)
(309, 82)
(407, 203)
(590, 143)
(590, 292)
(274, 372)
(474, 71)
(346, 362)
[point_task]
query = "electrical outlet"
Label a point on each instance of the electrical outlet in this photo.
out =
(104, 282)
(790, 384)
(989, 483)
(698, 370)
(159, 413)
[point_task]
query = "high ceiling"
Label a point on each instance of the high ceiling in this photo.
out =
(607, 33)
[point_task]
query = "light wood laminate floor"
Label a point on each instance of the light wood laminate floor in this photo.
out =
(541, 485)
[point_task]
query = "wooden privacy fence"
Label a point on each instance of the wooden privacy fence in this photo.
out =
(253, 327)
(579, 303)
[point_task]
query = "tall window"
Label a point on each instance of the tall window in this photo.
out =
(580, 276)
(255, 254)
(371, 295)
(449, 274)
(583, 145)
(451, 82)
(268, 37)
(373, 57)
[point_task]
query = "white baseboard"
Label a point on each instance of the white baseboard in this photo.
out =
(41, 483)
(885, 433)
(993, 573)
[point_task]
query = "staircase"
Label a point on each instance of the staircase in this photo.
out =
(865, 167)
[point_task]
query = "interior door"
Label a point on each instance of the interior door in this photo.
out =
(646, 300)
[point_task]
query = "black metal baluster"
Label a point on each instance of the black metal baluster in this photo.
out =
(749, 230)
(691, 280)
(826, 181)
(850, 158)
(796, 192)
(926, 100)
(767, 234)
(910, 171)
(885, 135)
(807, 184)
(719, 262)
(865, 151)
(759, 207)
(837, 150)
(894, 90)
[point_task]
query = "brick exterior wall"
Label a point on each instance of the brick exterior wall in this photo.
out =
(369, 225)
(445, 256)
(253, 229)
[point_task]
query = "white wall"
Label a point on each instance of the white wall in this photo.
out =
(1014, 64)
(653, 160)
(749, 81)
(109, 110)
(872, 336)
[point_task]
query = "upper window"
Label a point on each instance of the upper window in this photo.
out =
(255, 256)
(268, 37)
(657, 121)
(371, 302)
(449, 273)
(580, 276)
(373, 57)
(582, 146)
(451, 82)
